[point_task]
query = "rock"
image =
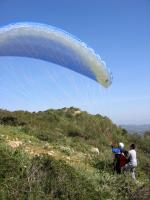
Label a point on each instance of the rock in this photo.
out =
(95, 150)
(14, 144)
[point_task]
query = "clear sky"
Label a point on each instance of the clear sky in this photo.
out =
(118, 30)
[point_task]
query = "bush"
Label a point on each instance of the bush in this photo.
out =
(11, 121)
(105, 165)
(58, 180)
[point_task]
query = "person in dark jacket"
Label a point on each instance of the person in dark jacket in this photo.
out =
(123, 159)
(117, 155)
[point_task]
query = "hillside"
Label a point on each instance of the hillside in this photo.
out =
(53, 155)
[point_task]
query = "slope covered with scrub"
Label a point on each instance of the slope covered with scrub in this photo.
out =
(51, 155)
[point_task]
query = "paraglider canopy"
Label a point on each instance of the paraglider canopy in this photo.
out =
(54, 45)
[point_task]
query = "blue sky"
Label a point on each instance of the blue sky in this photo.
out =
(119, 31)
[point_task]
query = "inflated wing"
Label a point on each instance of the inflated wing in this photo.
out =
(54, 45)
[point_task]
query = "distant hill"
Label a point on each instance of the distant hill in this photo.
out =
(132, 128)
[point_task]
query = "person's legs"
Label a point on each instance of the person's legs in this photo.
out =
(115, 165)
(127, 167)
(130, 168)
(133, 173)
(118, 168)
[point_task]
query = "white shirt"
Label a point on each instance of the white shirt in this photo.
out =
(132, 156)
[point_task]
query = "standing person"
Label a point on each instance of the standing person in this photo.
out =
(117, 153)
(123, 159)
(130, 166)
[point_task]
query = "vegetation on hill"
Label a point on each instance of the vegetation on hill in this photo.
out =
(49, 155)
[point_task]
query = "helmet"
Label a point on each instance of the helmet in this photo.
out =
(121, 145)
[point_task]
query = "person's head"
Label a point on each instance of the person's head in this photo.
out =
(132, 146)
(121, 145)
(125, 153)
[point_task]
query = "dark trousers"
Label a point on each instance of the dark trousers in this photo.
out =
(117, 167)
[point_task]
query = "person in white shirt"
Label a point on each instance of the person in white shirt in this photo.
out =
(130, 166)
